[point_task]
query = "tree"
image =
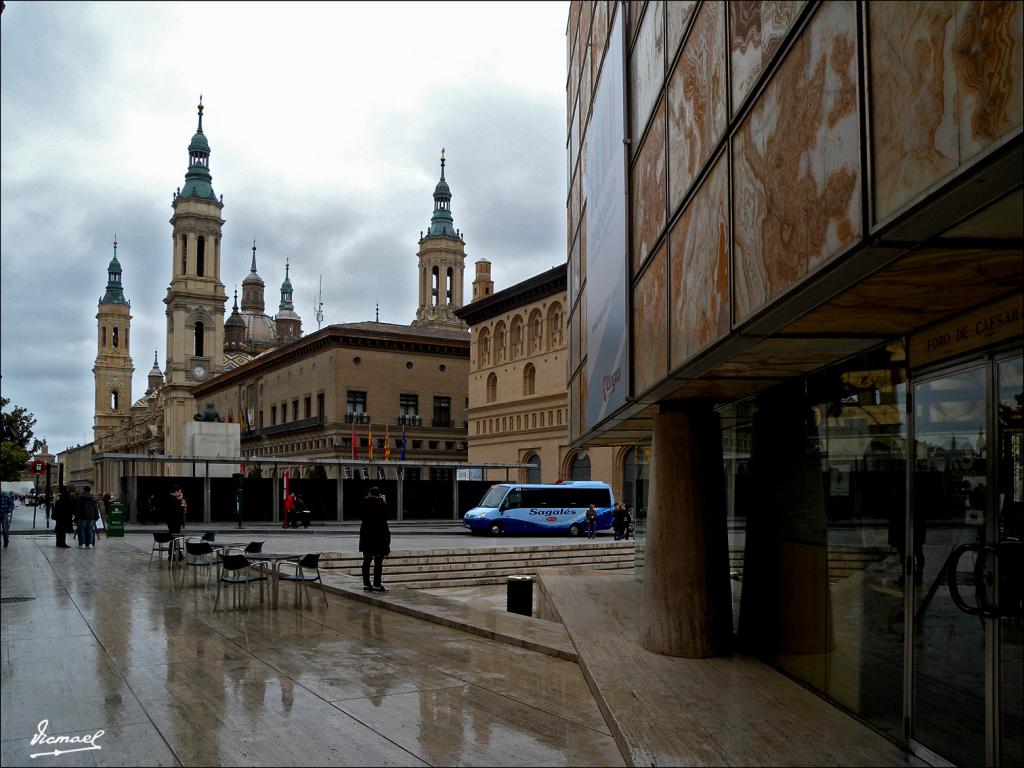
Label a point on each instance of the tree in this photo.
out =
(13, 460)
(15, 437)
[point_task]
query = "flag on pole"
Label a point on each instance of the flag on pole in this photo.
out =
(287, 501)
(402, 454)
(387, 442)
(355, 443)
(370, 441)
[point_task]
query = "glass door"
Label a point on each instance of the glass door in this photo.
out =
(964, 563)
(1009, 559)
(950, 496)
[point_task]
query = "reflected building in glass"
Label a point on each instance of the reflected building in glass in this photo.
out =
(819, 363)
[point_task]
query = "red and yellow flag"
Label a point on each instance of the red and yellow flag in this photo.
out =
(370, 452)
(387, 442)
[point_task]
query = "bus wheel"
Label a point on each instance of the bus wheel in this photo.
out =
(495, 529)
(575, 530)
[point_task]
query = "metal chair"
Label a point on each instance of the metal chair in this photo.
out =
(253, 547)
(237, 571)
(198, 554)
(307, 570)
(161, 543)
(210, 536)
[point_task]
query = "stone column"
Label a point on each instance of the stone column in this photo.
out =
(686, 608)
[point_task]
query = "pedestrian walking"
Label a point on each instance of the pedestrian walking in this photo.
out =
(620, 521)
(173, 509)
(63, 513)
(6, 513)
(591, 521)
(88, 514)
(374, 538)
(629, 525)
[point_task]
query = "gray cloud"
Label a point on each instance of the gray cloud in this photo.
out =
(351, 213)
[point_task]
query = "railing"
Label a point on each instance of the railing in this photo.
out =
(448, 423)
(409, 420)
(357, 418)
(289, 426)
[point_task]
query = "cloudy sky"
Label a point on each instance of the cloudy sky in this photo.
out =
(325, 123)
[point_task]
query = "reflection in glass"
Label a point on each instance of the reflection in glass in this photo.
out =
(815, 477)
(1010, 499)
(950, 489)
(636, 472)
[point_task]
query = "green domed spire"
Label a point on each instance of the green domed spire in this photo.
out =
(286, 291)
(115, 291)
(198, 181)
(441, 223)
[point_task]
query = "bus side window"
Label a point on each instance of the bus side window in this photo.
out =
(513, 500)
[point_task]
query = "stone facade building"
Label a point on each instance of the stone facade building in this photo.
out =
(517, 395)
(795, 272)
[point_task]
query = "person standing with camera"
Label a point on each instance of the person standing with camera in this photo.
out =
(374, 538)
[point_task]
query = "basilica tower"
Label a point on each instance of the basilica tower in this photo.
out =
(195, 297)
(113, 369)
(442, 257)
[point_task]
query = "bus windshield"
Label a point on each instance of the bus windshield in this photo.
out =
(494, 496)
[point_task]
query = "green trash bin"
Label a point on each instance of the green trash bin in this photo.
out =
(115, 523)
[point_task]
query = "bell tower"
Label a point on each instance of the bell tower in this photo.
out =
(195, 297)
(442, 257)
(113, 369)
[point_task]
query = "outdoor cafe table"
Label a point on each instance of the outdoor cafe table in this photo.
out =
(275, 558)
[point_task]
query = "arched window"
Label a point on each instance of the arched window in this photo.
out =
(580, 467)
(448, 285)
(201, 256)
(184, 254)
(492, 388)
(516, 332)
(499, 341)
(529, 379)
(533, 473)
(198, 339)
(113, 337)
(484, 348)
(113, 400)
(554, 321)
(434, 286)
(126, 339)
(534, 327)
(104, 336)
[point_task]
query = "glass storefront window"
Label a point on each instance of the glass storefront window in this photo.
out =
(815, 476)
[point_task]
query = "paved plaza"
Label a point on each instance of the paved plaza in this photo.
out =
(103, 644)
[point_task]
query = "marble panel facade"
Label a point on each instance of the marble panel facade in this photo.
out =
(598, 37)
(796, 164)
(756, 30)
(647, 65)
(650, 356)
(913, 94)
(648, 185)
(946, 83)
(678, 13)
(700, 268)
(697, 100)
(990, 72)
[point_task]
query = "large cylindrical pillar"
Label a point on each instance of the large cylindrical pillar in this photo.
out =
(687, 605)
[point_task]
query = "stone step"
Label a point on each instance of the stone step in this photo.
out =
(490, 579)
(422, 573)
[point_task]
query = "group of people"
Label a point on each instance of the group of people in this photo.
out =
(76, 514)
(622, 521)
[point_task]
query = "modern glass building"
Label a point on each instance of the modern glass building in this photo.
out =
(796, 258)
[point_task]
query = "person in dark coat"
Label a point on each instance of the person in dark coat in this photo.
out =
(88, 514)
(374, 538)
(173, 509)
(63, 512)
(620, 520)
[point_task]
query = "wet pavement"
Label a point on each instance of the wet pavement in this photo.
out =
(103, 644)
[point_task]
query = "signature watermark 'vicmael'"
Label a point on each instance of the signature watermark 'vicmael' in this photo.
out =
(87, 740)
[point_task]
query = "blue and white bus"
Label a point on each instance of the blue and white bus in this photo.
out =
(528, 508)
